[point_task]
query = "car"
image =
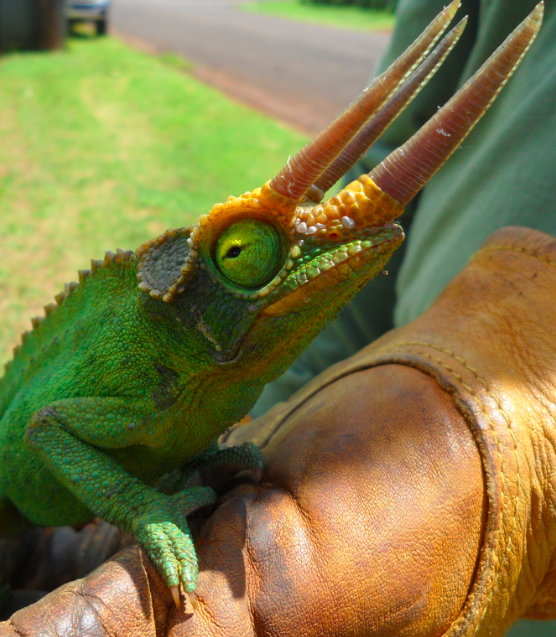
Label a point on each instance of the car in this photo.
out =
(89, 11)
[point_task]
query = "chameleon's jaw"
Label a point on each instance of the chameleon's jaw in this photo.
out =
(310, 297)
(339, 271)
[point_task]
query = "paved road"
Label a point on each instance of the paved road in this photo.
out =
(300, 73)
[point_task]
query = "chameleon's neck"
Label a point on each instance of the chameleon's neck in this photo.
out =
(204, 396)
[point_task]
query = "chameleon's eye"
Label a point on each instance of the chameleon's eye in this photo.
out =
(249, 253)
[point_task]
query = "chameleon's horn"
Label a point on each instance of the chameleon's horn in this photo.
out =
(378, 198)
(301, 171)
(405, 171)
(377, 124)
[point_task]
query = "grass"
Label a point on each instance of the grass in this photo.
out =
(102, 147)
(342, 16)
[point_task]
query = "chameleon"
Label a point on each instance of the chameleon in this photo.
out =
(120, 393)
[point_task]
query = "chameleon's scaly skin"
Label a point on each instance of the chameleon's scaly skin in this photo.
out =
(125, 380)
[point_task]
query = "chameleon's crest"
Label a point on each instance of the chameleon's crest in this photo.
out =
(163, 263)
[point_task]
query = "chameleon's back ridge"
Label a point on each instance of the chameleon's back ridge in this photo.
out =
(35, 336)
(120, 393)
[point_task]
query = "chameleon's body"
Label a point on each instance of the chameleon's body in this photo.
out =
(143, 364)
(109, 352)
(144, 380)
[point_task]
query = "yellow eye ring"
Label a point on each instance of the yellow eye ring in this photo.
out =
(249, 253)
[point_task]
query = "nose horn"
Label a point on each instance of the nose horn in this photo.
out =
(405, 171)
(301, 171)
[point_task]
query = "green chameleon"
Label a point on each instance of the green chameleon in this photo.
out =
(136, 370)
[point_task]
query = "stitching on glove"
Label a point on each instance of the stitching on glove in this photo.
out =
(470, 390)
(482, 408)
(510, 248)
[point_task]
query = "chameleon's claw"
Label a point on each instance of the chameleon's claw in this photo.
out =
(192, 600)
(175, 590)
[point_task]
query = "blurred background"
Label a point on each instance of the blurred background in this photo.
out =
(119, 119)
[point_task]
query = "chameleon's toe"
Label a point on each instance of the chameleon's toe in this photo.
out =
(193, 600)
(158, 540)
(222, 465)
(258, 474)
(246, 457)
(173, 554)
(184, 552)
(165, 535)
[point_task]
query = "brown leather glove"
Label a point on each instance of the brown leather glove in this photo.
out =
(410, 490)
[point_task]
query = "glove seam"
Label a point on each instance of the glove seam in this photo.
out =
(143, 558)
(510, 248)
(382, 359)
(253, 588)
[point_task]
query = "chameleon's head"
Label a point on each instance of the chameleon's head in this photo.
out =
(261, 274)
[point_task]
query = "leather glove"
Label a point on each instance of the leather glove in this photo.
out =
(409, 491)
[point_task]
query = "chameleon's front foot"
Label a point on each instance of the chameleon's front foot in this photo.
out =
(216, 466)
(164, 534)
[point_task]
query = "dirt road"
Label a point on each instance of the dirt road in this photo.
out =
(300, 73)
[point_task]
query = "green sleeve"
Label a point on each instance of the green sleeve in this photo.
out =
(503, 175)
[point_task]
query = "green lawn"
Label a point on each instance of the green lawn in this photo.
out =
(345, 17)
(102, 147)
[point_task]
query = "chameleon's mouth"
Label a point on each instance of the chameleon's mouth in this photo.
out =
(349, 266)
(311, 296)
